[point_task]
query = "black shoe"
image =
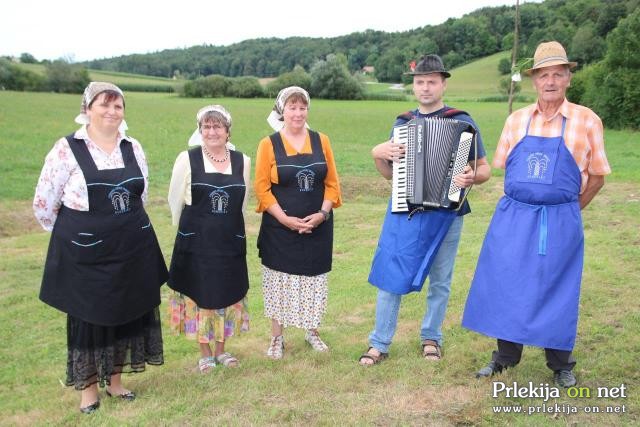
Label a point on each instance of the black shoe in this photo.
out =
(90, 409)
(489, 370)
(564, 378)
(129, 396)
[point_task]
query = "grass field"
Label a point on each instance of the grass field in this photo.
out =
(308, 388)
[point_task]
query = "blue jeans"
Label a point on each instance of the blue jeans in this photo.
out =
(440, 275)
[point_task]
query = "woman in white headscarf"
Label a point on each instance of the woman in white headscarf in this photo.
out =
(104, 267)
(207, 196)
(297, 187)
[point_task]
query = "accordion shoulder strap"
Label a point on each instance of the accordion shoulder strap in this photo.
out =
(407, 115)
(451, 112)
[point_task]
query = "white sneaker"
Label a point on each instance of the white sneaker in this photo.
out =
(276, 348)
(314, 340)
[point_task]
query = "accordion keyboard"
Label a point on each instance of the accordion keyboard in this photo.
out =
(466, 138)
(401, 183)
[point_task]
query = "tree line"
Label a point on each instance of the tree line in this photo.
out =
(580, 25)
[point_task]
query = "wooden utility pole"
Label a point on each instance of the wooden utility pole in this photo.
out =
(514, 55)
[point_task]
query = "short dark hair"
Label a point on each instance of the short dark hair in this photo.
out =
(297, 97)
(109, 95)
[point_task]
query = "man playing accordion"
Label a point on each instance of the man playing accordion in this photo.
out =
(425, 244)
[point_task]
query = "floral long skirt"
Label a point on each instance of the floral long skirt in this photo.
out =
(294, 300)
(207, 325)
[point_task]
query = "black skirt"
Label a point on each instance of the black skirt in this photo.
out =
(95, 353)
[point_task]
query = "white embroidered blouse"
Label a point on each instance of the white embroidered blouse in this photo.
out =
(62, 181)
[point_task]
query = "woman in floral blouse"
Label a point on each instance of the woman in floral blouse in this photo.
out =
(104, 267)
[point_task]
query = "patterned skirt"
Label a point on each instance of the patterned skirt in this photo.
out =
(95, 353)
(294, 300)
(206, 325)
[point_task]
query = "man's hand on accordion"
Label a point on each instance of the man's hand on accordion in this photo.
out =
(389, 151)
(465, 178)
(385, 154)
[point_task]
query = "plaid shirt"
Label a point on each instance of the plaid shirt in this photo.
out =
(583, 136)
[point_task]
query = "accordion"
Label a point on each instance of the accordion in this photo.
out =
(436, 149)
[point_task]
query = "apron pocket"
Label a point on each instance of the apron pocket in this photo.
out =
(86, 248)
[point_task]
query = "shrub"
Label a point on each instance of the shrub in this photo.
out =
(245, 87)
(297, 77)
(504, 66)
(13, 77)
(331, 79)
(27, 58)
(144, 87)
(212, 86)
(504, 86)
(63, 77)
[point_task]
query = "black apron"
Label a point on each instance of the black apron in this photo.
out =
(209, 263)
(300, 192)
(104, 266)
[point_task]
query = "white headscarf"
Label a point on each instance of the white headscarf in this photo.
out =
(275, 119)
(196, 137)
(90, 92)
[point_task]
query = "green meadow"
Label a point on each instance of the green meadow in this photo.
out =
(305, 387)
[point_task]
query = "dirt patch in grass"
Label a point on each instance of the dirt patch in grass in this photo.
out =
(353, 187)
(16, 218)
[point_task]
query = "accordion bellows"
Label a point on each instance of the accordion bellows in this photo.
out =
(436, 149)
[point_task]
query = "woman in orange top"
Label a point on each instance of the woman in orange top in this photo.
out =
(297, 187)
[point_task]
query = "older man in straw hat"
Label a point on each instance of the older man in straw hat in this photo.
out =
(526, 287)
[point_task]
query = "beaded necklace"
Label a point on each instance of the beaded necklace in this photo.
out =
(213, 159)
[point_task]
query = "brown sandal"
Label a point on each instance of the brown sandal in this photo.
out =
(374, 359)
(431, 350)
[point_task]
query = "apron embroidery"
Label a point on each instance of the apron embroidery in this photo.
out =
(305, 179)
(219, 201)
(537, 163)
(120, 200)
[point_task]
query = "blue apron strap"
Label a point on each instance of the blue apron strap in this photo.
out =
(542, 238)
(526, 132)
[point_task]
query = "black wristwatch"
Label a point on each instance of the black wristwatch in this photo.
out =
(324, 213)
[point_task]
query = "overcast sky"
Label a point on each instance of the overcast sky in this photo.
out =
(90, 29)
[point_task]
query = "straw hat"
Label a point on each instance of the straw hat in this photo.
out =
(549, 54)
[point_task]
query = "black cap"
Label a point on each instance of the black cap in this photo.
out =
(429, 64)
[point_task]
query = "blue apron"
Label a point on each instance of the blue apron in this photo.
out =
(407, 248)
(526, 287)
